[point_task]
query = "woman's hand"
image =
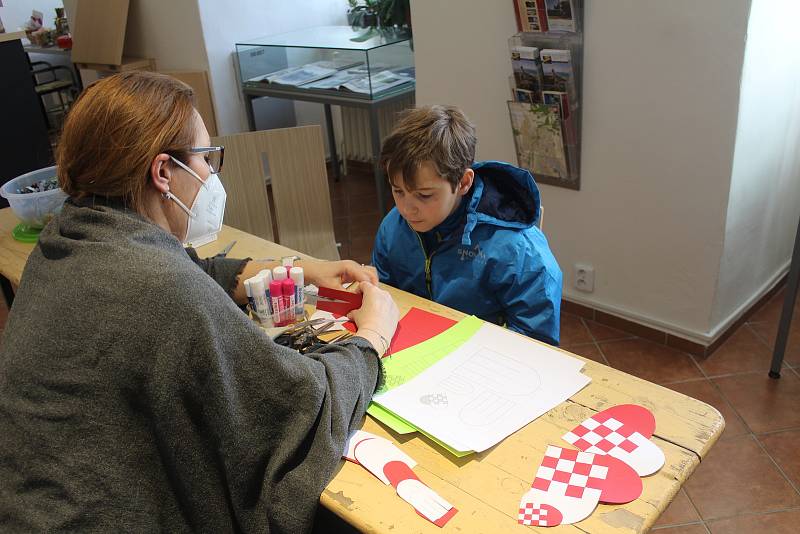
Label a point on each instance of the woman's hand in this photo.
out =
(377, 317)
(335, 273)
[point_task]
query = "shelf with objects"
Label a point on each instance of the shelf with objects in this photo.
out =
(367, 68)
(546, 89)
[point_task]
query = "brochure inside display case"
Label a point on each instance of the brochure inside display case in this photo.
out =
(367, 63)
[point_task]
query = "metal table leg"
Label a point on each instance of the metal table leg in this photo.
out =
(248, 108)
(332, 142)
(380, 182)
(788, 309)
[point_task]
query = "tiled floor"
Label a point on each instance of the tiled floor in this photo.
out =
(750, 480)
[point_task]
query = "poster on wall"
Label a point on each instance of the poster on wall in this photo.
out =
(539, 142)
(531, 15)
(560, 16)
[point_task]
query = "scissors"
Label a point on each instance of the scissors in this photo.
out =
(224, 252)
(337, 301)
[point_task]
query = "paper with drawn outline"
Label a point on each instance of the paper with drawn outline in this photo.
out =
(486, 389)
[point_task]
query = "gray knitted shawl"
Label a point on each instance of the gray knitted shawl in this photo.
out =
(135, 396)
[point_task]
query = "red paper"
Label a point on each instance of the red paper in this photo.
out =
(417, 326)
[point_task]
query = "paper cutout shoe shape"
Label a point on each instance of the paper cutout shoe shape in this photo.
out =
(570, 483)
(392, 466)
(623, 432)
(359, 436)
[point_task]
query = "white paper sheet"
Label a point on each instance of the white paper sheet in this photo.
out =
(490, 387)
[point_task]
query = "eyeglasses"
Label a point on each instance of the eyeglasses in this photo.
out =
(212, 154)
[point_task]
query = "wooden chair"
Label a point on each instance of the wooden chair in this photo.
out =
(289, 163)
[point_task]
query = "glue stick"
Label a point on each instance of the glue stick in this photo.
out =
(260, 297)
(249, 292)
(276, 297)
(288, 299)
(279, 273)
(266, 274)
(296, 274)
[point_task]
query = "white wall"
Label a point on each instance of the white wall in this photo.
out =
(226, 23)
(15, 13)
(661, 91)
(764, 202)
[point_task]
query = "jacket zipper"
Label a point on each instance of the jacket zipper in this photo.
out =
(427, 265)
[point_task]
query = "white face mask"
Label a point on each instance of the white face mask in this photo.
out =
(208, 209)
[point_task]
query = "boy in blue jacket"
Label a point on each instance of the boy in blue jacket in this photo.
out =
(464, 234)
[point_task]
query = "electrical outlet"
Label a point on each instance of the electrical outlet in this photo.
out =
(584, 277)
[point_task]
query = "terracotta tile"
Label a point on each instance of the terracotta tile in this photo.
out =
(589, 351)
(365, 225)
(361, 249)
(601, 332)
(768, 331)
(341, 229)
(630, 327)
(344, 251)
(743, 352)
(573, 331)
(771, 311)
(577, 309)
(360, 185)
(650, 361)
(685, 345)
(337, 190)
(705, 391)
(782, 446)
(778, 523)
(360, 204)
(737, 477)
(339, 208)
(765, 404)
(680, 511)
(696, 528)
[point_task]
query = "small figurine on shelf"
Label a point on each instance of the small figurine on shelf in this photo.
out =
(34, 23)
(62, 26)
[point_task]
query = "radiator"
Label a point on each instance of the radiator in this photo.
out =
(355, 127)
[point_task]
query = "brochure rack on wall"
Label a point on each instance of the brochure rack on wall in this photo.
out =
(546, 89)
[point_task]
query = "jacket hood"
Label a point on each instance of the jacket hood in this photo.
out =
(503, 195)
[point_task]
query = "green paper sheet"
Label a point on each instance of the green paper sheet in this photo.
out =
(408, 363)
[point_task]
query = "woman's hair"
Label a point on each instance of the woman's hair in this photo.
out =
(115, 129)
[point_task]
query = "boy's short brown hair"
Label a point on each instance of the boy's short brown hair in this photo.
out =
(440, 134)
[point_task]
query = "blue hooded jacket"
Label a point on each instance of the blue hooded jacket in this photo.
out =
(486, 259)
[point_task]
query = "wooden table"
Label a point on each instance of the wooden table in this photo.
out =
(486, 487)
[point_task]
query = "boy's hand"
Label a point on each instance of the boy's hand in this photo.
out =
(335, 273)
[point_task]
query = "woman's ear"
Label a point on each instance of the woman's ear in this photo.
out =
(160, 173)
(466, 182)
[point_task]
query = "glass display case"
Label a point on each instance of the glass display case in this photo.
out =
(368, 63)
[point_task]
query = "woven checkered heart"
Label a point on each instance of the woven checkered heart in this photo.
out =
(622, 432)
(539, 516)
(573, 482)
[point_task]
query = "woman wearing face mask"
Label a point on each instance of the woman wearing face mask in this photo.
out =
(134, 393)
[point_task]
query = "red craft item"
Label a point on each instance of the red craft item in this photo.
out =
(417, 326)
